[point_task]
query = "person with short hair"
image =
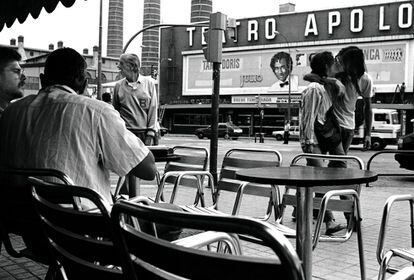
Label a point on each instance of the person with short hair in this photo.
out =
(135, 98)
(316, 103)
(106, 97)
(281, 64)
(12, 78)
(286, 132)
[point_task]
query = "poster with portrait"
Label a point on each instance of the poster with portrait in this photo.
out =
(248, 72)
(282, 64)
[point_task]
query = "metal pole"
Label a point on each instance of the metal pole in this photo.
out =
(158, 25)
(289, 90)
(214, 121)
(99, 84)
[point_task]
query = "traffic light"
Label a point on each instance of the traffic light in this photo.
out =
(214, 37)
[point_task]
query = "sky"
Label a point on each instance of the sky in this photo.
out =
(78, 26)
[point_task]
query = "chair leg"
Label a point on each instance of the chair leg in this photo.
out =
(359, 235)
(384, 265)
(55, 273)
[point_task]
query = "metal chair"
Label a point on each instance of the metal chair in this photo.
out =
(187, 171)
(17, 215)
(146, 257)
(406, 273)
(80, 238)
(346, 206)
(384, 257)
(234, 160)
(405, 156)
(351, 205)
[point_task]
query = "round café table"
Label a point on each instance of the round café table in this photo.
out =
(305, 178)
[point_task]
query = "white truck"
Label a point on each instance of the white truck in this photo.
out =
(386, 129)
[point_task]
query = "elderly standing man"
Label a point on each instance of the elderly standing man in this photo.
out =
(11, 77)
(135, 98)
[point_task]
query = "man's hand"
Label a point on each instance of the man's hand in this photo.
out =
(367, 143)
(308, 148)
(148, 140)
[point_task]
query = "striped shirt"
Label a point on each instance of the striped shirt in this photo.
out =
(315, 103)
(80, 136)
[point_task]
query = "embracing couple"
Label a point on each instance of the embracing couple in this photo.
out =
(327, 113)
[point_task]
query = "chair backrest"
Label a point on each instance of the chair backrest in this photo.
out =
(191, 159)
(146, 257)
(334, 204)
(237, 159)
(406, 273)
(17, 215)
(80, 239)
(356, 161)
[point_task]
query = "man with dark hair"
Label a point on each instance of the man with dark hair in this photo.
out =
(61, 129)
(282, 65)
(316, 103)
(11, 77)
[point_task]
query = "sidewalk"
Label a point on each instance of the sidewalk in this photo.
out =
(331, 260)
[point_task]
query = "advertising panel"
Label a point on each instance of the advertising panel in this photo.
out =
(267, 71)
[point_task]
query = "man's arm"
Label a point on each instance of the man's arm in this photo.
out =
(115, 99)
(146, 169)
(120, 150)
(152, 117)
(368, 122)
(366, 92)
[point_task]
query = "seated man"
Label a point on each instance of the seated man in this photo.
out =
(61, 129)
(11, 77)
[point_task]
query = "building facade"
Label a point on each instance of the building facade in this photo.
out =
(248, 85)
(115, 38)
(33, 61)
(201, 10)
(150, 37)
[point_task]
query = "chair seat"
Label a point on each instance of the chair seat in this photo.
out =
(405, 253)
(201, 210)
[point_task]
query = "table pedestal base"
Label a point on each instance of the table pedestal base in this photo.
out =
(304, 229)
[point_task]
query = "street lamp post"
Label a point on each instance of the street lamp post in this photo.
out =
(99, 82)
(289, 77)
(157, 26)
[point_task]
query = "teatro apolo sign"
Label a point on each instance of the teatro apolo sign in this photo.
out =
(365, 21)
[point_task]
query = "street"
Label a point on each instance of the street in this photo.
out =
(334, 260)
(382, 162)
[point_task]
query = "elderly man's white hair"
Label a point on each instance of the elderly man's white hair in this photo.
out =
(131, 59)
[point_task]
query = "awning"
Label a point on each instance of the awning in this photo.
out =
(10, 10)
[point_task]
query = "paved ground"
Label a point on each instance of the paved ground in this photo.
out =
(330, 260)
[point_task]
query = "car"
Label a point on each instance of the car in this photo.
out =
(405, 160)
(294, 133)
(225, 130)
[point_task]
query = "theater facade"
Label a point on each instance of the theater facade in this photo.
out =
(248, 85)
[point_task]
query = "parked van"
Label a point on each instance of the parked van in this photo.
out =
(386, 129)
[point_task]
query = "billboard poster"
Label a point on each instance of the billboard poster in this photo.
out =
(267, 71)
